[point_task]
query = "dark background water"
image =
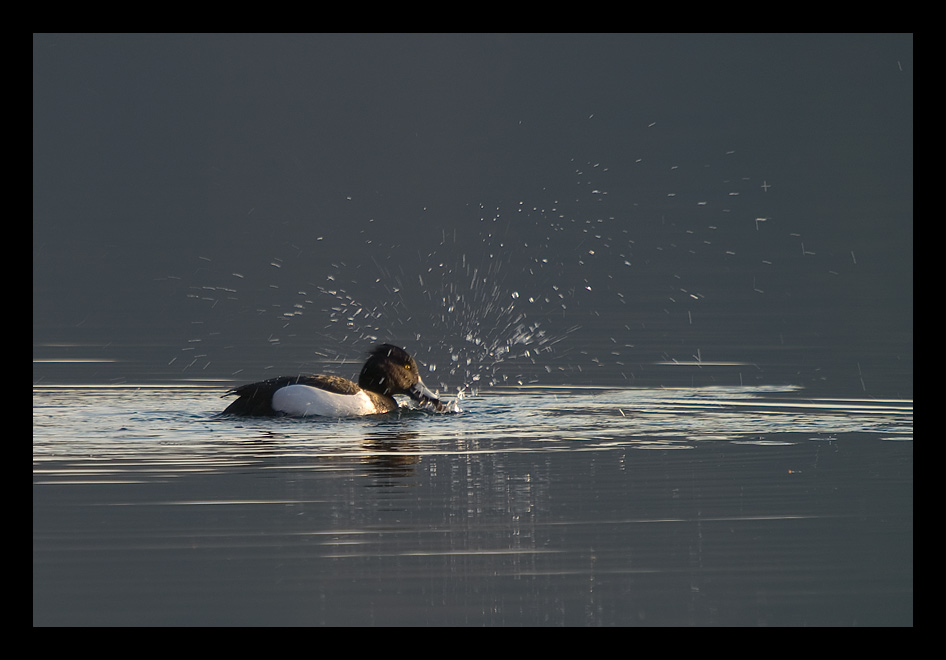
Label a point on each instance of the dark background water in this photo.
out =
(577, 209)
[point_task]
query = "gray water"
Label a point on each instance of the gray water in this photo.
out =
(706, 506)
(668, 280)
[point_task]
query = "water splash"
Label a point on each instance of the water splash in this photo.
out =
(622, 251)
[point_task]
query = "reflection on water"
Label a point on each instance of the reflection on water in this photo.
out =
(530, 507)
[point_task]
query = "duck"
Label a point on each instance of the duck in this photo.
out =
(389, 370)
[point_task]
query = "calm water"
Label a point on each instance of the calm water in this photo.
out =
(709, 238)
(700, 506)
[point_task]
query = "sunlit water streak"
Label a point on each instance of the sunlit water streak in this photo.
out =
(158, 419)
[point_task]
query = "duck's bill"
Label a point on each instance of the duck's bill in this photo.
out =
(421, 395)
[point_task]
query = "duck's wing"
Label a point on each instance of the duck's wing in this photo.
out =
(335, 384)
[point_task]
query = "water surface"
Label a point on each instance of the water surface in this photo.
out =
(707, 238)
(554, 506)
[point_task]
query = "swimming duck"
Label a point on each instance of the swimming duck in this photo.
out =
(389, 370)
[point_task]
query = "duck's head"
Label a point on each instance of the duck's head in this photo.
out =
(391, 370)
